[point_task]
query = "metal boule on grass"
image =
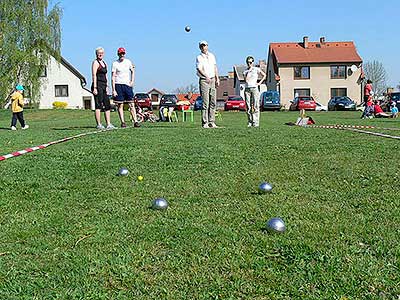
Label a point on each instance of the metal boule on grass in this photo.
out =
(264, 187)
(276, 225)
(159, 204)
(123, 172)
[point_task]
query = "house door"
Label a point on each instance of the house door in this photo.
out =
(87, 102)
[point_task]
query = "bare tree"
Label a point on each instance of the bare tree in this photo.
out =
(186, 89)
(375, 71)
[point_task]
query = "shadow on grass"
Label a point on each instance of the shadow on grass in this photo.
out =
(5, 128)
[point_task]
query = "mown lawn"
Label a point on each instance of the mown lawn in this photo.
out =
(72, 229)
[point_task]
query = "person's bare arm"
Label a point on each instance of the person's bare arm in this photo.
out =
(132, 75)
(95, 66)
(263, 77)
(216, 76)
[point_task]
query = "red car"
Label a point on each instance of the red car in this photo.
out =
(235, 103)
(143, 100)
(303, 102)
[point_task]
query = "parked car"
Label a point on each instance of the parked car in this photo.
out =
(235, 103)
(321, 107)
(303, 102)
(198, 103)
(341, 103)
(168, 100)
(143, 100)
(270, 100)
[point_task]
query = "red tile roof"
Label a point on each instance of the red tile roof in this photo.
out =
(182, 97)
(328, 52)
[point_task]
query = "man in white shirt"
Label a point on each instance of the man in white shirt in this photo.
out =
(123, 77)
(251, 92)
(207, 71)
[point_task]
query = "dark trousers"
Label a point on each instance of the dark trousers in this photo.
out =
(20, 117)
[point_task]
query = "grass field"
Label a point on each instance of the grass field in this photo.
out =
(72, 229)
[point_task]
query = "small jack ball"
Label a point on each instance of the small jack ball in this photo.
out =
(140, 178)
(187, 29)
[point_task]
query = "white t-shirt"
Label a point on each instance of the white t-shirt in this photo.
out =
(206, 63)
(122, 70)
(252, 76)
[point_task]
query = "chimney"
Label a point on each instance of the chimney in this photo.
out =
(322, 40)
(305, 42)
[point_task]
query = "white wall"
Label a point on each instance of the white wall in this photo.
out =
(320, 83)
(58, 74)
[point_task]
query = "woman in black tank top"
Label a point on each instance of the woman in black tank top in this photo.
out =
(99, 89)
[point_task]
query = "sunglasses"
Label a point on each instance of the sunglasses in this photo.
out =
(250, 61)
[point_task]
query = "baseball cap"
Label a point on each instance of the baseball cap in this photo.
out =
(203, 43)
(121, 50)
(19, 87)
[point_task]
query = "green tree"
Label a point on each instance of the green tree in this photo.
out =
(29, 33)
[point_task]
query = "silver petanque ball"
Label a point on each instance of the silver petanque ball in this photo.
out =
(265, 187)
(187, 29)
(276, 225)
(123, 172)
(159, 204)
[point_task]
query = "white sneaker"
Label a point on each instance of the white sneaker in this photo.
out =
(213, 125)
(26, 126)
(13, 128)
(205, 126)
(249, 125)
(100, 127)
(110, 126)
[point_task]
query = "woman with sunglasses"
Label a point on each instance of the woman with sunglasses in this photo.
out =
(251, 92)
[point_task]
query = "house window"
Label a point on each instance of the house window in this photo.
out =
(43, 71)
(301, 92)
(225, 94)
(61, 90)
(301, 72)
(338, 92)
(338, 72)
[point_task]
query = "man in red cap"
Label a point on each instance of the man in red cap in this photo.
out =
(123, 78)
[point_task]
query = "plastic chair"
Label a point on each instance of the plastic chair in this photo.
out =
(218, 115)
(187, 111)
(172, 116)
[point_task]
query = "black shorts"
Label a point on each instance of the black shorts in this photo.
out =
(101, 100)
(124, 93)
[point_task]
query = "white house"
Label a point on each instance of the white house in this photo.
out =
(62, 82)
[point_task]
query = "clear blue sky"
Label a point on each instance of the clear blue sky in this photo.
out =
(153, 33)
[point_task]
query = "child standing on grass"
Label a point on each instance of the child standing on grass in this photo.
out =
(394, 110)
(17, 107)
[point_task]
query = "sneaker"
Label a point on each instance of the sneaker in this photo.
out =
(100, 127)
(255, 125)
(26, 126)
(110, 126)
(213, 125)
(205, 126)
(136, 124)
(13, 128)
(123, 125)
(249, 125)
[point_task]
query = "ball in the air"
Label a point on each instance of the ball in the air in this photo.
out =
(187, 29)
